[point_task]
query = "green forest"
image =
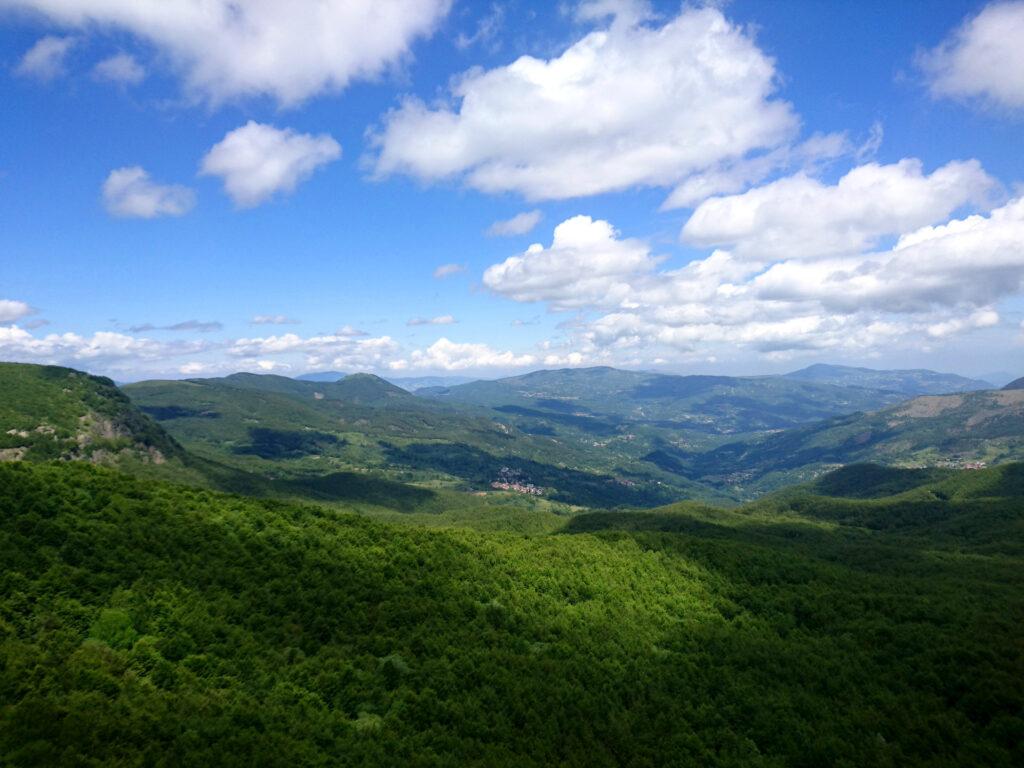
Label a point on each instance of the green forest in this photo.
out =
(146, 623)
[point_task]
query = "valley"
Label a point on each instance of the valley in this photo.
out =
(558, 568)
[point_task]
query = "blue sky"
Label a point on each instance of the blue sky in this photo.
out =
(744, 187)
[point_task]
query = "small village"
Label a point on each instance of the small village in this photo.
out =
(512, 480)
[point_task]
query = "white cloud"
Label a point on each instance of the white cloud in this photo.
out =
(983, 318)
(19, 345)
(447, 270)
(936, 282)
(983, 59)
(520, 224)
(970, 262)
(736, 175)
(439, 320)
(11, 311)
(338, 350)
(193, 368)
(120, 68)
(269, 366)
(800, 217)
(45, 59)
(273, 320)
(289, 51)
(130, 356)
(445, 355)
(586, 265)
(627, 105)
(130, 192)
(256, 161)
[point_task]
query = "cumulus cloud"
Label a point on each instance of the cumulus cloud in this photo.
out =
(800, 217)
(338, 350)
(445, 355)
(120, 68)
(983, 318)
(348, 349)
(629, 104)
(586, 265)
(11, 311)
(129, 192)
(520, 224)
(935, 282)
(439, 320)
(735, 175)
(257, 161)
(19, 345)
(45, 59)
(447, 270)
(289, 51)
(273, 320)
(983, 59)
(973, 262)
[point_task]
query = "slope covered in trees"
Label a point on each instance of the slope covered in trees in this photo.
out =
(276, 426)
(912, 383)
(144, 623)
(711, 405)
(969, 428)
(49, 412)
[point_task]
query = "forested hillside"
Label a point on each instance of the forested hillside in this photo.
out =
(276, 426)
(703, 404)
(144, 623)
(49, 412)
(911, 383)
(967, 429)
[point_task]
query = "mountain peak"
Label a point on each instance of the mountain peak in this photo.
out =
(368, 389)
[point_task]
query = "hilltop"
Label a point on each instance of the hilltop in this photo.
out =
(49, 412)
(908, 382)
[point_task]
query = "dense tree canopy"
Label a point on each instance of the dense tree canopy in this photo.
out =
(152, 624)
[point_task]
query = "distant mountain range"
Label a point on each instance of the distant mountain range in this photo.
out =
(408, 383)
(598, 437)
(416, 383)
(909, 382)
(714, 405)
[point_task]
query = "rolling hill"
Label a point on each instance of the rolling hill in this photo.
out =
(273, 425)
(605, 398)
(910, 382)
(972, 428)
